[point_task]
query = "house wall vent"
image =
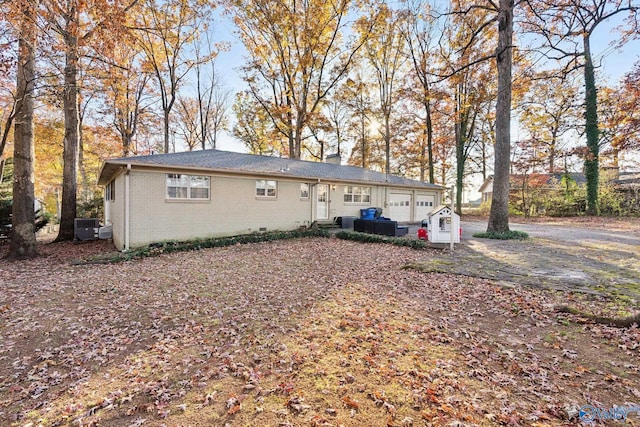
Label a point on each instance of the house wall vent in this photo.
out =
(86, 228)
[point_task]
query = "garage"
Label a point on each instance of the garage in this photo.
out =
(424, 206)
(399, 207)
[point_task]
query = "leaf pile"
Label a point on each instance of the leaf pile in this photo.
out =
(305, 332)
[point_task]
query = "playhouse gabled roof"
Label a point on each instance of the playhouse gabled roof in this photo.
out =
(442, 210)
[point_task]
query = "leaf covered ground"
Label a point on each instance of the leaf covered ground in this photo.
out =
(304, 332)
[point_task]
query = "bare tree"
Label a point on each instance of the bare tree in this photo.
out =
(125, 86)
(549, 111)
(418, 32)
(187, 123)
(211, 99)
(166, 31)
(358, 99)
(385, 51)
(338, 115)
(298, 57)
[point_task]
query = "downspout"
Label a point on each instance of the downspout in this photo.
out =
(314, 202)
(127, 208)
(312, 198)
(386, 198)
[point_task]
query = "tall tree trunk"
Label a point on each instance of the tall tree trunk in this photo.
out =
(387, 143)
(126, 144)
(591, 130)
(423, 152)
(363, 142)
(290, 136)
(86, 192)
(460, 161)
(71, 130)
(429, 129)
(460, 134)
(166, 129)
(23, 240)
(552, 153)
(443, 172)
(499, 213)
(484, 160)
(298, 137)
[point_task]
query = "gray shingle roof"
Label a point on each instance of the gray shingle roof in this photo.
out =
(226, 161)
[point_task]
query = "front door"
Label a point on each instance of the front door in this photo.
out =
(322, 205)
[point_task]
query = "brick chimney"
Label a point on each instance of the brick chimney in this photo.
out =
(334, 159)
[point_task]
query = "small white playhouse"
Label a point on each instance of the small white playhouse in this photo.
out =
(442, 220)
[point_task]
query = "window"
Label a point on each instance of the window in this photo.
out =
(181, 186)
(354, 194)
(110, 191)
(266, 188)
(304, 190)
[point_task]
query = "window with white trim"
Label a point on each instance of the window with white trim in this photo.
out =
(356, 194)
(304, 190)
(266, 188)
(188, 187)
(110, 191)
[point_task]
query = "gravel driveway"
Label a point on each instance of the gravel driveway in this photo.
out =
(596, 258)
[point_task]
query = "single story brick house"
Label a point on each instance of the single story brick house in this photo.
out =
(212, 193)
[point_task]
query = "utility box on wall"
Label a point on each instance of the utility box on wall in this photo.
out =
(442, 222)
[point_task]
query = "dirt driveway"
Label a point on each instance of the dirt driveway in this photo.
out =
(599, 257)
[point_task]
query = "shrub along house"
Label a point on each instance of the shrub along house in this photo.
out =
(212, 193)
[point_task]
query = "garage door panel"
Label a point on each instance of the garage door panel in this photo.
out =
(399, 207)
(424, 205)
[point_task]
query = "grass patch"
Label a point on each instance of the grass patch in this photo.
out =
(376, 238)
(434, 265)
(155, 249)
(507, 235)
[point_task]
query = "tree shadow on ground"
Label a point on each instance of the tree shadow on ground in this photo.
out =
(580, 266)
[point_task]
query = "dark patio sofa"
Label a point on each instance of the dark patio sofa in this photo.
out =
(383, 227)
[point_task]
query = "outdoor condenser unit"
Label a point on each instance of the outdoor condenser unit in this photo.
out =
(105, 232)
(86, 228)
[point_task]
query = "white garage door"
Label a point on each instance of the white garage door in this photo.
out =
(424, 205)
(399, 207)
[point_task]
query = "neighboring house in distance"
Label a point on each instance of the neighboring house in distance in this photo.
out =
(628, 184)
(629, 181)
(542, 180)
(212, 193)
(486, 189)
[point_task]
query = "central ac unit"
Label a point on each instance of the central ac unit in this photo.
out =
(86, 228)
